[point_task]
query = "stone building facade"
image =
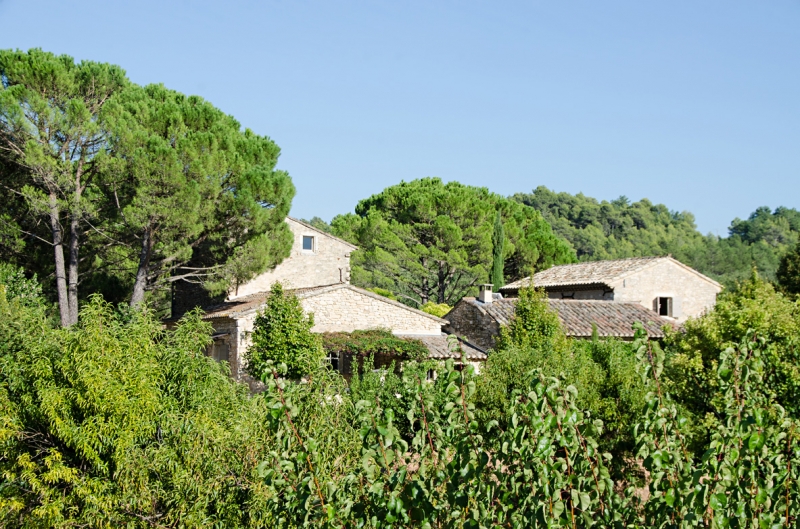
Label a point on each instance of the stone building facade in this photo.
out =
(317, 258)
(336, 308)
(662, 284)
(317, 271)
(345, 308)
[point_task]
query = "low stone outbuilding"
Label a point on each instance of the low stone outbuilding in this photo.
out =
(480, 322)
(336, 308)
(661, 284)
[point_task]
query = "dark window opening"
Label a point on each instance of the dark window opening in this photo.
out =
(308, 243)
(333, 361)
(665, 306)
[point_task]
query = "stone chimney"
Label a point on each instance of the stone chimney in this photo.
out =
(485, 293)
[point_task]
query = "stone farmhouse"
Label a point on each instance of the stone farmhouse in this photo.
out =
(662, 284)
(608, 295)
(318, 272)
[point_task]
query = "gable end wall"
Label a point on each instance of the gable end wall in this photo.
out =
(667, 279)
(329, 264)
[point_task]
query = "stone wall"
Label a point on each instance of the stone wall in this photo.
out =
(349, 309)
(327, 264)
(692, 294)
(468, 321)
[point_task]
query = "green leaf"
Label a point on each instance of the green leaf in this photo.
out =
(718, 501)
(756, 442)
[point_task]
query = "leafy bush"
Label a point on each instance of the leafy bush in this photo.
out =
(603, 372)
(17, 286)
(282, 334)
(548, 470)
(748, 475)
(693, 356)
(117, 423)
(386, 386)
(534, 324)
(383, 292)
(374, 342)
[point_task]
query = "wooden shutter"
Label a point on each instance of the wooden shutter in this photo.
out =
(676, 307)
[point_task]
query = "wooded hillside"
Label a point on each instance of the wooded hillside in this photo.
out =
(621, 228)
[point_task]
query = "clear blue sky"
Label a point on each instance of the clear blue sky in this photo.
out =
(692, 104)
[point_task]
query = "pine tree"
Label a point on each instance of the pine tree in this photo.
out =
(498, 242)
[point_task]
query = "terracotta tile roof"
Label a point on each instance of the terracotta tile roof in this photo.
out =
(439, 350)
(612, 318)
(238, 306)
(595, 272)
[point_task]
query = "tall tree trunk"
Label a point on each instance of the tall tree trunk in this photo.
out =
(72, 286)
(58, 249)
(144, 267)
(74, 246)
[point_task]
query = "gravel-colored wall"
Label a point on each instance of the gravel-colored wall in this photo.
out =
(692, 295)
(327, 264)
(347, 310)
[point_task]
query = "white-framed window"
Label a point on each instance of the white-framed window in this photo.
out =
(309, 244)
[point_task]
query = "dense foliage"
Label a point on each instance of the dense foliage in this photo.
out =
(25, 291)
(426, 240)
(116, 421)
(603, 372)
(282, 334)
(788, 274)
(119, 189)
(437, 309)
(545, 468)
(119, 423)
(694, 355)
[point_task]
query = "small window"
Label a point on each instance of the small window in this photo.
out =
(665, 307)
(333, 360)
(308, 243)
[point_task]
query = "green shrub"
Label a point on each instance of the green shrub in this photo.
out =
(17, 286)
(383, 292)
(436, 309)
(282, 334)
(693, 356)
(117, 423)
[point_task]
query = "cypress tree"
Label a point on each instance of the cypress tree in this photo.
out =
(498, 239)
